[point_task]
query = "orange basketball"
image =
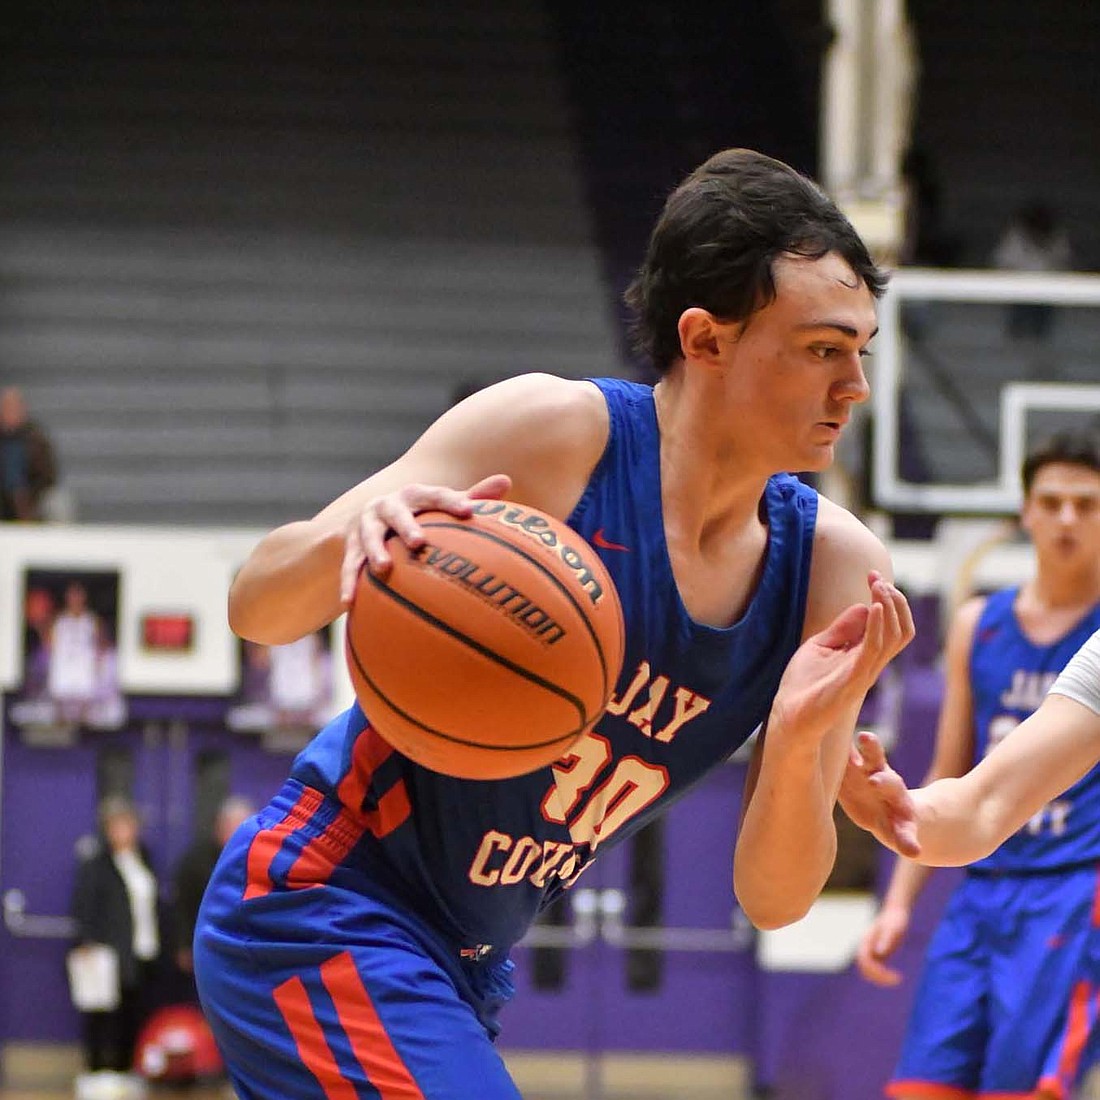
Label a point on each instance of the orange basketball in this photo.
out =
(488, 651)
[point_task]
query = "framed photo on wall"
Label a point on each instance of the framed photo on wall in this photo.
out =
(286, 691)
(70, 654)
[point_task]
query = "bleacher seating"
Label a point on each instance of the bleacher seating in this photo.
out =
(249, 251)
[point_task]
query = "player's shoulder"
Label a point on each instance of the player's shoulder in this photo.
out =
(970, 610)
(845, 552)
(538, 396)
(541, 410)
(546, 432)
(842, 539)
(964, 622)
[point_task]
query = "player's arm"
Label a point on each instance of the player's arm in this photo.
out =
(960, 820)
(534, 438)
(856, 622)
(953, 755)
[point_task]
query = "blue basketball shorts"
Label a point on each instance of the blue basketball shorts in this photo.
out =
(1009, 994)
(325, 992)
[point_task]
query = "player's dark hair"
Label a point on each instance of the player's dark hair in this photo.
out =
(718, 237)
(1074, 448)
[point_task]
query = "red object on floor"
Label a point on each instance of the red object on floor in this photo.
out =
(176, 1044)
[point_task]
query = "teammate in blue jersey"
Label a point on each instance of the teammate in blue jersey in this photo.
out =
(354, 938)
(997, 1010)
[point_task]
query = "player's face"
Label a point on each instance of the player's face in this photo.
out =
(1062, 514)
(796, 367)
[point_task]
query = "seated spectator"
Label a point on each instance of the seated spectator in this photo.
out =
(27, 464)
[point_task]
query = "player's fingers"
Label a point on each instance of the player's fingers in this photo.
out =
(891, 619)
(905, 836)
(869, 662)
(366, 542)
(874, 969)
(846, 630)
(871, 752)
(492, 487)
(870, 955)
(355, 554)
(899, 813)
(397, 512)
(880, 974)
(905, 617)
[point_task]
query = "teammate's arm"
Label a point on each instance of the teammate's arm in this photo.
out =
(953, 755)
(534, 438)
(960, 820)
(856, 622)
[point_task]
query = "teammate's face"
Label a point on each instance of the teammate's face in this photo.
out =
(796, 367)
(1062, 514)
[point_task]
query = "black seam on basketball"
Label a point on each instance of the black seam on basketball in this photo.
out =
(577, 606)
(484, 650)
(414, 721)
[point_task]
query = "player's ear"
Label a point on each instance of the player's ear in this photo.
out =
(1025, 521)
(698, 331)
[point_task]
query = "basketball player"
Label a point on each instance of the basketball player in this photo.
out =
(354, 938)
(991, 1010)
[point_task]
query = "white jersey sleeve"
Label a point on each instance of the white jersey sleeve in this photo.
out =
(1080, 679)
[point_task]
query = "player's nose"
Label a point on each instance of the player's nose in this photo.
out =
(852, 385)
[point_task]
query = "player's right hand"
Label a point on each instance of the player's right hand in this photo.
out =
(396, 512)
(879, 942)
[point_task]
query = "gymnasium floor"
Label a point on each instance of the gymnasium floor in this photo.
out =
(46, 1073)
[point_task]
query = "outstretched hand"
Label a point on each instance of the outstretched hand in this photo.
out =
(833, 670)
(875, 797)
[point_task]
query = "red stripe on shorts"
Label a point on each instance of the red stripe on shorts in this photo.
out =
(267, 842)
(1076, 1034)
(384, 1067)
(927, 1090)
(313, 1048)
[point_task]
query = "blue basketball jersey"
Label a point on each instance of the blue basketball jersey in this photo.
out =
(475, 859)
(1009, 677)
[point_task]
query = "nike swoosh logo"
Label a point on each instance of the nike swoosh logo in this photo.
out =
(604, 544)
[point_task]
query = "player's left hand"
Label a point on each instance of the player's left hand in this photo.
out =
(875, 797)
(833, 670)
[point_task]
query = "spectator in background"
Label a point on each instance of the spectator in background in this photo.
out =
(115, 903)
(194, 870)
(1032, 241)
(27, 464)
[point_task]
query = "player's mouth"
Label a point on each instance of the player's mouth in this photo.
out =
(835, 427)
